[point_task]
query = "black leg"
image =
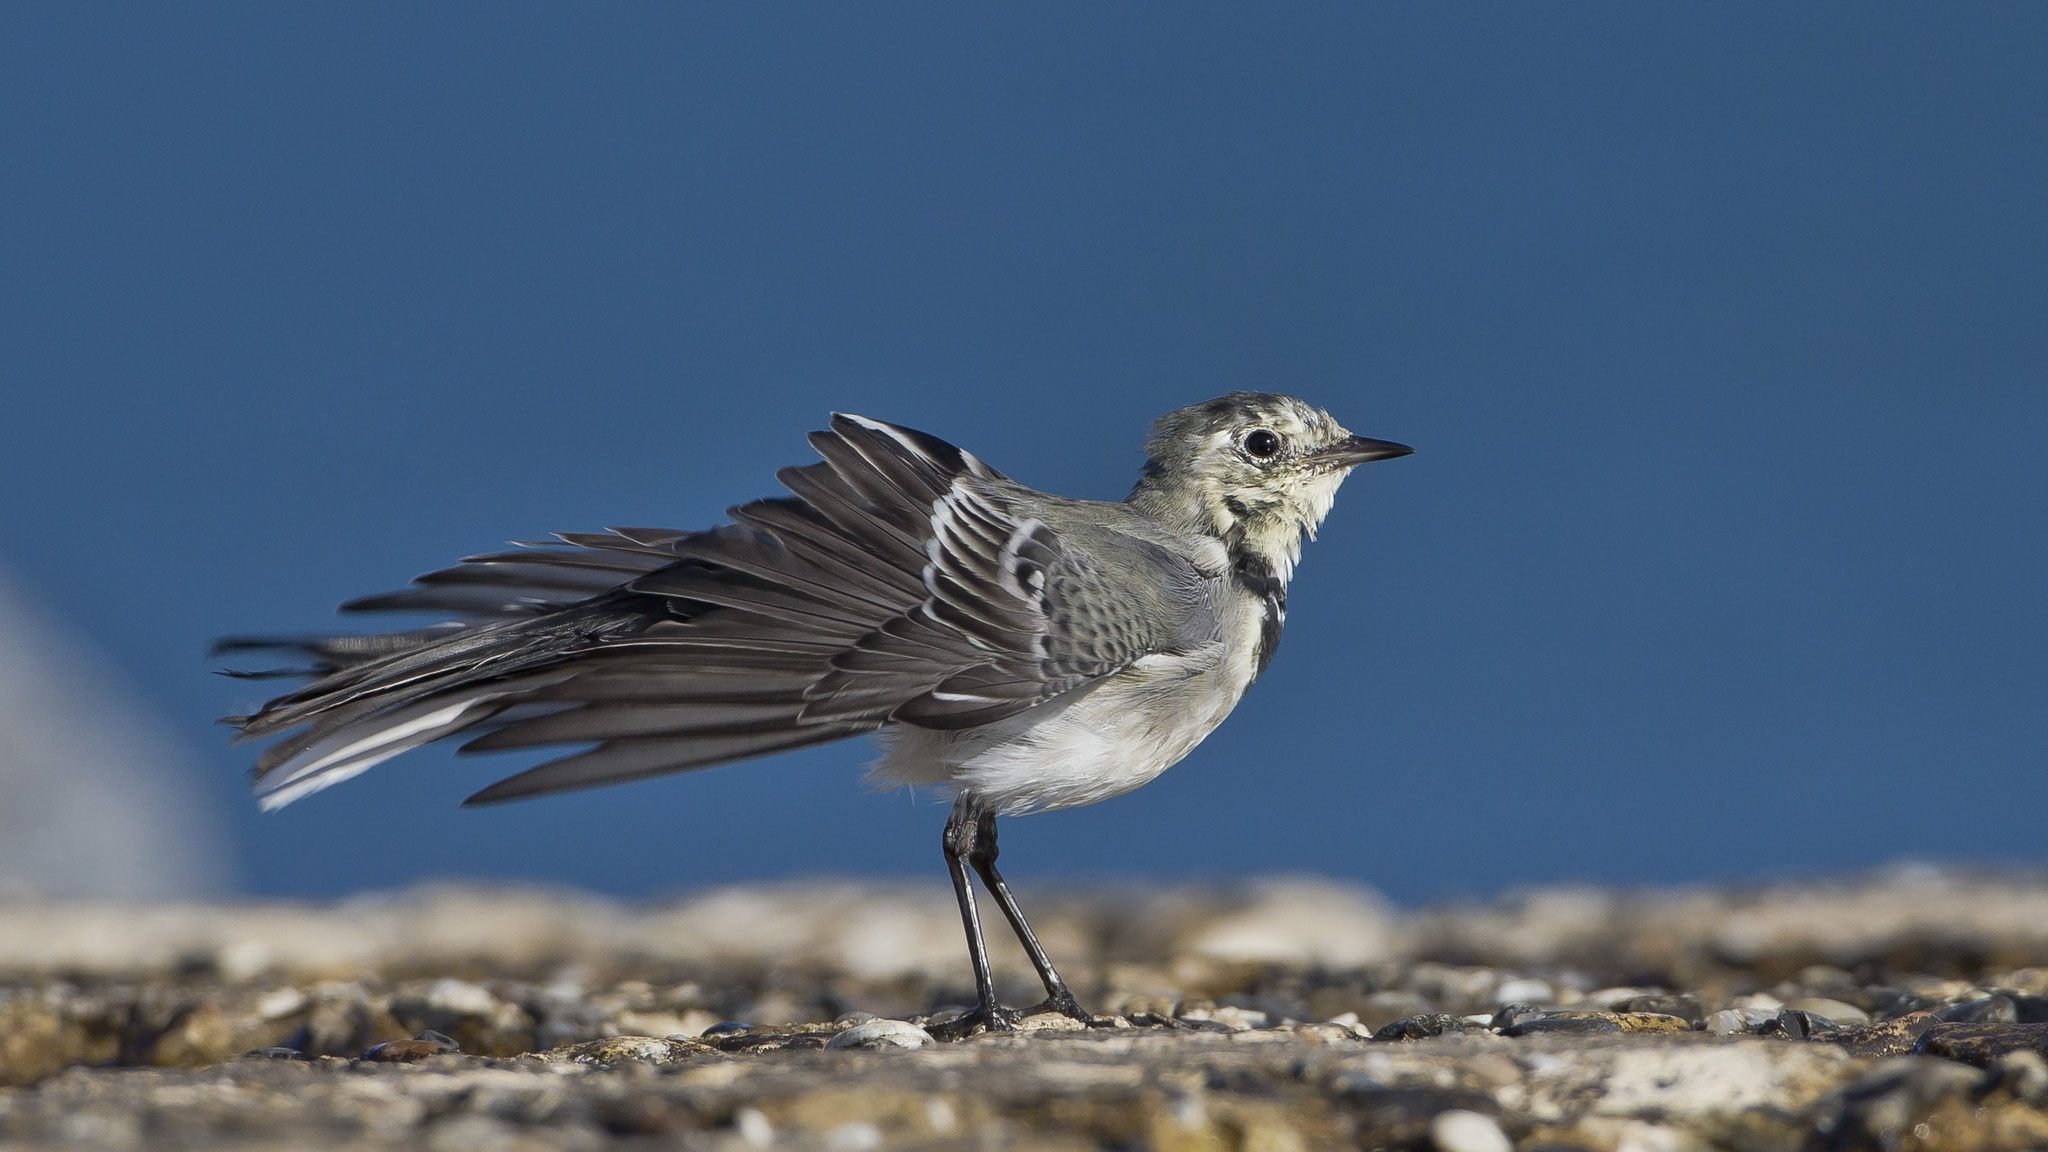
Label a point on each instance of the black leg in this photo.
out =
(961, 832)
(981, 853)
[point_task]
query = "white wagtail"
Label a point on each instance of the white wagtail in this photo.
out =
(1027, 651)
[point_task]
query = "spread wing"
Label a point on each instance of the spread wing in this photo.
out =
(1014, 614)
(902, 580)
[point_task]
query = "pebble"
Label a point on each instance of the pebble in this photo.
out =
(281, 1003)
(875, 1034)
(1424, 1026)
(1234, 1018)
(614, 1051)
(1728, 1022)
(1325, 1033)
(1980, 1044)
(1762, 1002)
(1383, 1008)
(1682, 1006)
(1585, 1024)
(1593, 1023)
(753, 1128)
(1514, 1014)
(1524, 990)
(1457, 1130)
(1891, 1002)
(1882, 1106)
(2023, 1073)
(1051, 1022)
(1826, 979)
(1989, 1010)
(1798, 1024)
(1834, 1010)
(426, 1044)
(1609, 998)
(858, 1136)
(1894, 1037)
(461, 998)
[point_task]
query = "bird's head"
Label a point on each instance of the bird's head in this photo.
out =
(1258, 469)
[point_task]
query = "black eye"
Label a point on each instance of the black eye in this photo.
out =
(1261, 443)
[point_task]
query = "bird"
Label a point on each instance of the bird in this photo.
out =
(1017, 650)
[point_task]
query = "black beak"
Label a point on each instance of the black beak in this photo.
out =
(1355, 450)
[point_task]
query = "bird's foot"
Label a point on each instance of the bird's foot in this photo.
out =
(987, 1018)
(1063, 1002)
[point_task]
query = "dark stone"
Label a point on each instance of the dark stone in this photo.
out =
(769, 1039)
(1426, 1025)
(1980, 1044)
(1399, 1117)
(640, 1115)
(723, 1027)
(1880, 1000)
(1990, 1010)
(1799, 1024)
(275, 1052)
(1879, 1111)
(1513, 1014)
(1584, 1024)
(2029, 1009)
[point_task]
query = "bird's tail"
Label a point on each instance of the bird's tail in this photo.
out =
(375, 697)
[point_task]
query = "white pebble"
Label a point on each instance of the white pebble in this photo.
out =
(279, 1004)
(1240, 1019)
(859, 1136)
(754, 1129)
(1460, 1131)
(244, 959)
(1524, 990)
(881, 1034)
(461, 997)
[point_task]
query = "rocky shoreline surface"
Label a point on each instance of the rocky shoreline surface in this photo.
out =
(1901, 1010)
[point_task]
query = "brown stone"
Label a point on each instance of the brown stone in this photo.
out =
(1594, 1023)
(408, 1051)
(1890, 1038)
(1980, 1044)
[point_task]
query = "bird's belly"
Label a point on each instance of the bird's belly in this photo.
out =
(1100, 742)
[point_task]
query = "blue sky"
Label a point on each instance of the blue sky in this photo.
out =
(1719, 331)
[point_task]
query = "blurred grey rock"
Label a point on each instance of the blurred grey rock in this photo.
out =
(98, 799)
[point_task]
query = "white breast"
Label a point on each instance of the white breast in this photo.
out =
(1090, 745)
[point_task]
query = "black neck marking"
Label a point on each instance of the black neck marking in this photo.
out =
(1255, 575)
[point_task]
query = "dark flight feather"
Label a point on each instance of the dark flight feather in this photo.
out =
(895, 582)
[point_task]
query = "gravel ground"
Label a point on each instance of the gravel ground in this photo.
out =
(1898, 1011)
